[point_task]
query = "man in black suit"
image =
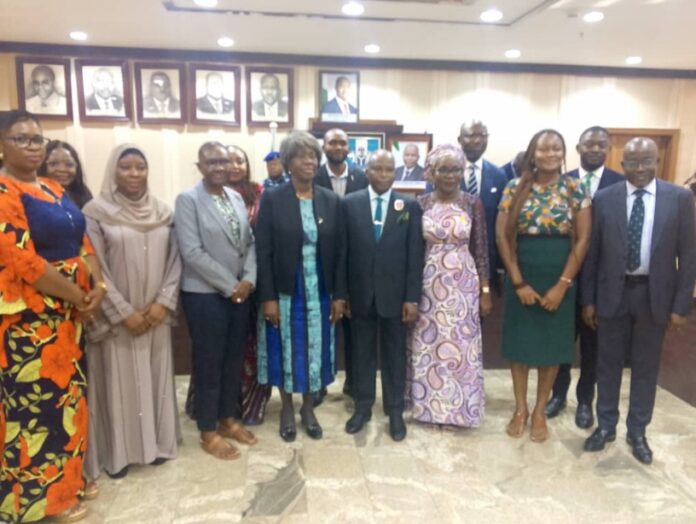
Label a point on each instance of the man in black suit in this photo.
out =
(160, 100)
(104, 98)
(410, 171)
(270, 107)
(384, 270)
(342, 179)
(592, 147)
(214, 101)
(638, 280)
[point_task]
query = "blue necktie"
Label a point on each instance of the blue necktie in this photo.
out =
(635, 231)
(378, 218)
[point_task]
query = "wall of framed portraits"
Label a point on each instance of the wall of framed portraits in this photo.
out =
(170, 107)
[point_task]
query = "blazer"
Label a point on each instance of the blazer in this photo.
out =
(150, 105)
(279, 237)
(259, 110)
(356, 179)
(205, 106)
(509, 170)
(416, 175)
(332, 107)
(211, 263)
(92, 104)
(672, 270)
(388, 272)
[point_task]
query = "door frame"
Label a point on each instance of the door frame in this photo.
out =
(672, 152)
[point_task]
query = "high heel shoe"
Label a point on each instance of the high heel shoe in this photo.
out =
(518, 422)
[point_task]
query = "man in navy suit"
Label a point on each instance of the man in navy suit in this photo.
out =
(592, 147)
(214, 101)
(484, 180)
(638, 280)
(410, 171)
(384, 270)
(339, 105)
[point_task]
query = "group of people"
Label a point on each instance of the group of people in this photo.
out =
(273, 277)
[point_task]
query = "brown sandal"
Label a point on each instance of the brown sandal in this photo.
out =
(518, 422)
(539, 432)
(74, 514)
(220, 448)
(91, 491)
(238, 432)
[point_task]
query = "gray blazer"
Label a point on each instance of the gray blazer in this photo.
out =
(211, 263)
(672, 253)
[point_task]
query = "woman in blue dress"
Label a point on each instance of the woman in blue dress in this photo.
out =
(301, 284)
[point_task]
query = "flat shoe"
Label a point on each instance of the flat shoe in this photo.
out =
(313, 430)
(91, 491)
(288, 433)
(237, 432)
(119, 474)
(518, 422)
(74, 514)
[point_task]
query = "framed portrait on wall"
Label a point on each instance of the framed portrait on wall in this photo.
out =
(339, 96)
(43, 87)
(361, 145)
(214, 94)
(269, 97)
(160, 89)
(103, 89)
(410, 152)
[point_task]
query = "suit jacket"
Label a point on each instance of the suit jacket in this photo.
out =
(416, 175)
(204, 105)
(332, 107)
(211, 262)
(356, 179)
(672, 255)
(259, 110)
(92, 104)
(279, 237)
(509, 170)
(150, 105)
(388, 272)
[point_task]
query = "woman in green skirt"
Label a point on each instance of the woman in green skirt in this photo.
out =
(543, 232)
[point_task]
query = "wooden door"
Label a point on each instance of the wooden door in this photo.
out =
(667, 141)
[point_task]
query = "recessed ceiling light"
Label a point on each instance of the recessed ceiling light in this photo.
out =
(634, 60)
(491, 15)
(225, 41)
(80, 36)
(353, 9)
(593, 17)
(372, 48)
(206, 3)
(513, 53)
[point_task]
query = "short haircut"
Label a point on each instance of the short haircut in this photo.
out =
(10, 118)
(43, 69)
(342, 79)
(594, 129)
(212, 74)
(270, 75)
(207, 146)
(295, 142)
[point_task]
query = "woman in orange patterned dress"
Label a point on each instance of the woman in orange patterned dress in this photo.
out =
(46, 266)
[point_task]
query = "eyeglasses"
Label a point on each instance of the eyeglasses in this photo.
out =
(24, 141)
(449, 170)
(635, 164)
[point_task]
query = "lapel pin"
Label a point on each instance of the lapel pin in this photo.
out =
(398, 204)
(320, 220)
(494, 190)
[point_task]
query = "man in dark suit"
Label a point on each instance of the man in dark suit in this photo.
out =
(384, 268)
(339, 105)
(484, 180)
(592, 147)
(160, 100)
(342, 179)
(638, 280)
(104, 97)
(270, 106)
(410, 171)
(214, 101)
(360, 158)
(513, 168)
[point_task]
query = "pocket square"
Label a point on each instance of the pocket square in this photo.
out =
(494, 190)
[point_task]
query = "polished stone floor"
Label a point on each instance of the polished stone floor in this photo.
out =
(434, 476)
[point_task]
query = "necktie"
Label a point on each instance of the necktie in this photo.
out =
(407, 172)
(587, 182)
(635, 231)
(378, 218)
(344, 109)
(471, 183)
(109, 104)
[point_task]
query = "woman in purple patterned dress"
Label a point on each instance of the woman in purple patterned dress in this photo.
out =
(446, 367)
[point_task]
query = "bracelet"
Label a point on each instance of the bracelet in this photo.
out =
(101, 284)
(567, 281)
(520, 285)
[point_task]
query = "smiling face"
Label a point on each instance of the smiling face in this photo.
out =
(22, 160)
(239, 169)
(474, 140)
(380, 171)
(214, 164)
(43, 80)
(131, 175)
(447, 174)
(411, 156)
(640, 161)
(593, 148)
(61, 166)
(549, 153)
(336, 146)
(270, 89)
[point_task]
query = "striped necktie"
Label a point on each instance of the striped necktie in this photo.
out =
(471, 183)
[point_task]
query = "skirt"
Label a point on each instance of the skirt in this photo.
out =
(532, 335)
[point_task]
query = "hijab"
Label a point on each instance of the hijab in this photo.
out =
(114, 208)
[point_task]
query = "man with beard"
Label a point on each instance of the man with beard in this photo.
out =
(342, 179)
(592, 147)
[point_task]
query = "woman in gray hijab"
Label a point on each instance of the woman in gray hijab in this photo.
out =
(133, 413)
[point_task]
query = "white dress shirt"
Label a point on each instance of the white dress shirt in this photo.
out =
(339, 182)
(270, 110)
(594, 181)
(386, 196)
(648, 222)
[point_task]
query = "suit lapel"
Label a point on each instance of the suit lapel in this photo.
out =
(290, 206)
(210, 206)
(661, 211)
(320, 209)
(391, 215)
(365, 215)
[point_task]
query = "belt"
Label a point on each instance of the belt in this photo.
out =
(636, 279)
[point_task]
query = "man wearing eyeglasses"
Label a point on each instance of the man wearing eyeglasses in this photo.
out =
(45, 100)
(638, 281)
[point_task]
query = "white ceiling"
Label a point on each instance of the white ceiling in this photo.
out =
(549, 32)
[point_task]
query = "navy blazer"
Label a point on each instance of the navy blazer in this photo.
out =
(356, 179)
(509, 170)
(279, 237)
(672, 255)
(416, 175)
(332, 107)
(387, 272)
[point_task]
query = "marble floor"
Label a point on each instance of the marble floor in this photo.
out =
(434, 476)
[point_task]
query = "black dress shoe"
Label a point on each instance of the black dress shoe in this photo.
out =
(119, 474)
(313, 429)
(583, 416)
(598, 439)
(358, 421)
(397, 427)
(288, 433)
(555, 406)
(318, 397)
(348, 390)
(640, 448)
